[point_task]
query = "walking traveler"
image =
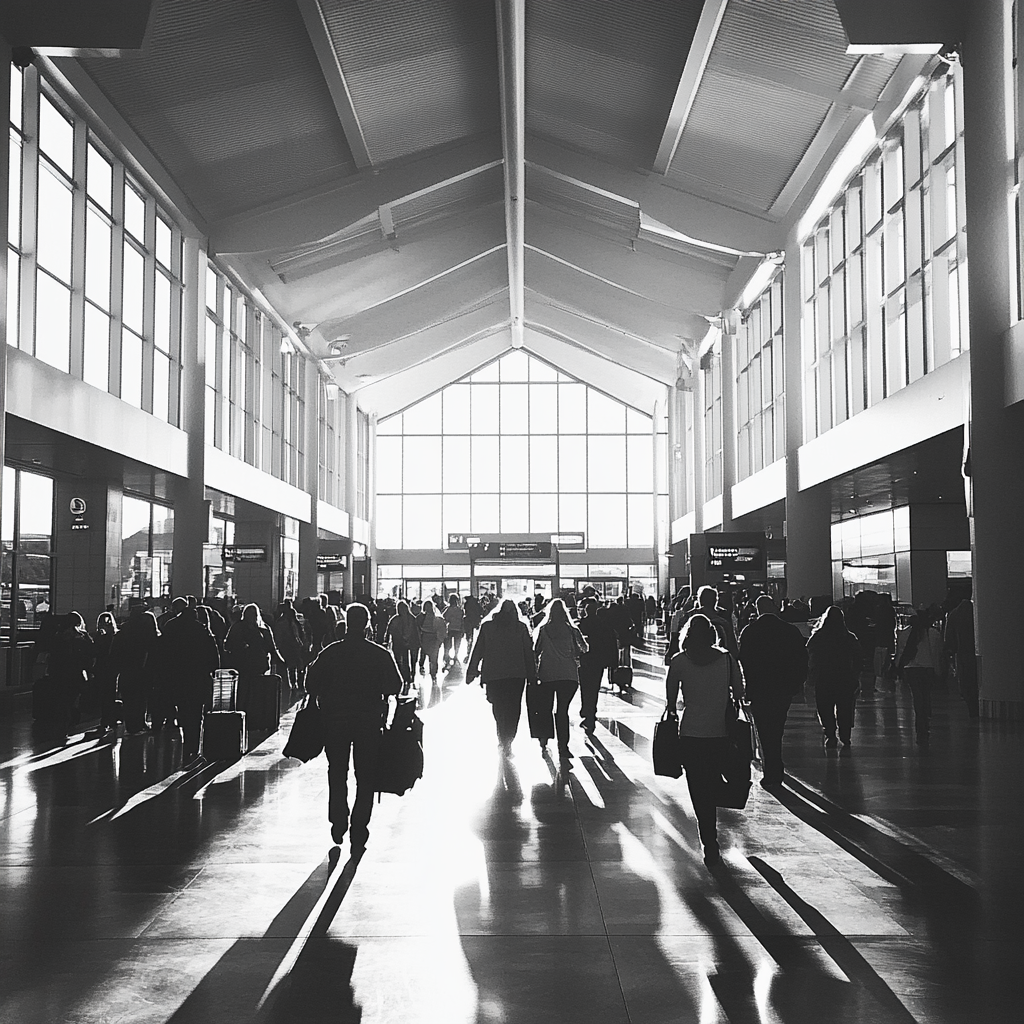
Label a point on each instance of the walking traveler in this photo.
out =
(558, 648)
(291, 642)
(472, 616)
(351, 680)
(403, 636)
(250, 646)
(503, 658)
(454, 617)
(958, 645)
(833, 667)
(708, 679)
(71, 657)
(774, 659)
(130, 652)
(105, 675)
(707, 605)
(918, 656)
(602, 653)
(433, 630)
(192, 655)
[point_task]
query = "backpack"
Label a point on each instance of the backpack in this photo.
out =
(401, 749)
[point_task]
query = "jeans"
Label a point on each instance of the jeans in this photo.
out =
(506, 697)
(403, 659)
(835, 710)
(452, 644)
(920, 682)
(590, 687)
(357, 738)
(564, 690)
(770, 720)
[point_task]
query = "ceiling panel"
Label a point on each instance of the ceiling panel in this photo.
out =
(229, 97)
(422, 73)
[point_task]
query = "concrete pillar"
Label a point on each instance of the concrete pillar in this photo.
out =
(730, 320)
(996, 433)
(696, 409)
(5, 144)
(351, 490)
(191, 511)
(309, 543)
(808, 512)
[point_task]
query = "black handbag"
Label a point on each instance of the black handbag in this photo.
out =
(665, 748)
(539, 712)
(401, 749)
(735, 785)
(306, 740)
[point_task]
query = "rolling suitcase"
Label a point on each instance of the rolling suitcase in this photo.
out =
(224, 735)
(622, 674)
(260, 699)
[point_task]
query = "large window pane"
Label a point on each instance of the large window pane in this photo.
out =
(605, 416)
(134, 213)
(422, 465)
(455, 514)
(389, 465)
(543, 409)
(163, 242)
(96, 362)
(637, 422)
(134, 275)
(572, 408)
(98, 177)
(515, 513)
(485, 513)
(514, 366)
(162, 314)
(36, 512)
(455, 407)
(572, 512)
(424, 417)
(54, 220)
(161, 385)
(389, 521)
(641, 520)
(485, 465)
(572, 463)
(456, 463)
(13, 304)
(421, 523)
(640, 464)
(514, 408)
(53, 322)
(543, 464)
(97, 260)
(131, 369)
(607, 458)
(14, 192)
(515, 464)
(607, 520)
(56, 135)
(484, 405)
(543, 513)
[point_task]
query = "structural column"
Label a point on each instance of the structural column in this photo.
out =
(5, 144)
(309, 534)
(695, 401)
(808, 512)
(191, 511)
(728, 416)
(996, 433)
(351, 488)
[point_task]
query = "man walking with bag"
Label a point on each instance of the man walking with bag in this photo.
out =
(351, 679)
(774, 659)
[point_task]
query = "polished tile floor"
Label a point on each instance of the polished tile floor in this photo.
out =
(883, 885)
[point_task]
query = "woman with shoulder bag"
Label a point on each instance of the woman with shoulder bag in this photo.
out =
(709, 681)
(558, 647)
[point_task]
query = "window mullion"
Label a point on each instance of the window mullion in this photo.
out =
(149, 306)
(79, 204)
(116, 277)
(29, 208)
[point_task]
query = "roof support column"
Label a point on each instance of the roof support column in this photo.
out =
(511, 18)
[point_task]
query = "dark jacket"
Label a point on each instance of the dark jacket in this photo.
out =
(350, 679)
(71, 657)
(604, 651)
(834, 661)
(251, 649)
(506, 653)
(774, 659)
(191, 655)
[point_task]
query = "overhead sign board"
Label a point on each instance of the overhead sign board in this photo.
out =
(512, 551)
(569, 541)
(331, 563)
(735, 558)
(244, 553)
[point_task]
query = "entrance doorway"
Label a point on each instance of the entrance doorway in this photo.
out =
(516, 588)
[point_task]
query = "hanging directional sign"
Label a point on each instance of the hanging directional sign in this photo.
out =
(244, 553)
(512, 551)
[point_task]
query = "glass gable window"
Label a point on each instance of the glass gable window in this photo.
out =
(885, 271)
(87, 291)
(517, 447)
(26, 530)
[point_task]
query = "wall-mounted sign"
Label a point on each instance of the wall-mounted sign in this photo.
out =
(78, 507)
(512, 551)
(569, 541)
(244, 553)
(733, 558)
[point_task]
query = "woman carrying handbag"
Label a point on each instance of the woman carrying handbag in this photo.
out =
(558, 647)
(708, 679)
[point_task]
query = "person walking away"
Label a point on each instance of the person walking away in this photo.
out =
(918, 654)
(558, 648)
(291, 642)
(130, 652)
(708, 606)
(191, 651)
(160, 671)
(602, 653)
(503, 659)
(416, 611)
(958, 645)
(774, 659)
(71, 657)
(433, 630)
(403, 636)
(708, 679)
(472, 616)
(351, 680)
(105, 675)
(455, 618)
(250, 645)
(833, 667)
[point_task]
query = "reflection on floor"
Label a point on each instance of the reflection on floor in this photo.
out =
(882, 885)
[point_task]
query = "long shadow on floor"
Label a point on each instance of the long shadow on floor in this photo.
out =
(294, 973)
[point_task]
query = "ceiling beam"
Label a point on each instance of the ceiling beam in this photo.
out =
(323, 46)
(689, 82)
(511, 19)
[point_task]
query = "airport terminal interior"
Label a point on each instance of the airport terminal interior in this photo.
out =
(529, 299)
